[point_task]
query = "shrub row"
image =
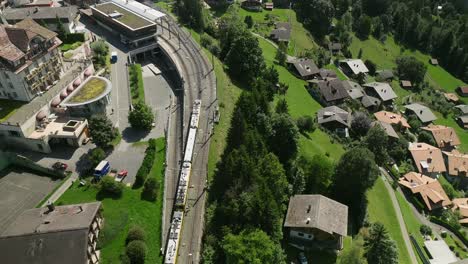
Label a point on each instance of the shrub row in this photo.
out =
(451, 228)
(147, 164)
(73, 37)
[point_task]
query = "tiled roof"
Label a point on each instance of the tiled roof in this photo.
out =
(457, 163)
(430, 189)
(14, 40)
(391, 118)
(427, 158)
(443, 135)
(317, 211)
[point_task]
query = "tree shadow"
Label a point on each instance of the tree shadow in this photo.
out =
(132, 135)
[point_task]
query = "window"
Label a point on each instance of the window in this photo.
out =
(14, 133)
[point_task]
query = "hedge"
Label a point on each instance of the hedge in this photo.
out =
(147, 164)
(443, 223)
(73, 37)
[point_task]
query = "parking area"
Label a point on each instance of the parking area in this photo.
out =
(21, 190)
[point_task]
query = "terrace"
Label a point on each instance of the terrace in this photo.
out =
(90, 91)
(123, 16)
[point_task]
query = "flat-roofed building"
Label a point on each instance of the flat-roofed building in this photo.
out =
(53, 235)
(133, 22)
(44, 122)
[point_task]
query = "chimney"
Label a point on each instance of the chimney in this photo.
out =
(50, 206)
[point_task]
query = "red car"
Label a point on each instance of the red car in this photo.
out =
(121, 175)
(60, 166)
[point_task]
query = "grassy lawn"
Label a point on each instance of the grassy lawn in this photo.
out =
(70, 46)
(136, 83)
(91, 89)
(411, 222)
(300, 40)
(340, 74)
(121, 214)
(8, 107)
(301, 103)
(380, 209)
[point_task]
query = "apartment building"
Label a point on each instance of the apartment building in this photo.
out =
(30, 61)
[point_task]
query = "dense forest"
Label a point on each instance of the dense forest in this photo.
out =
(434, 27)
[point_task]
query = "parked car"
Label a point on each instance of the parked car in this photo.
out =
(302, 258)
(59, 166)
(121, 175)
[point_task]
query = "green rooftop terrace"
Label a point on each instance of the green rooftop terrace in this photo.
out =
(90, 90)
(128, 18)
(8, 107)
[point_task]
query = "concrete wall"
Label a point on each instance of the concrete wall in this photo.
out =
(24, 162)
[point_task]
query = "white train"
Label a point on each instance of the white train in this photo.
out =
(182, 186)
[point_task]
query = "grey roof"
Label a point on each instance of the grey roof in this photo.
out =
(463, 119)
(422, 112)
(463, 109)
(317, 211)
(305, 67)
(332, 90)
(368, 101)
(49, 248)
(355, 65)
(63, 218)
(38, 13)
(388, 128)
(326, 73)
(334, 46)
(282, 31)
(40, 236)
(383, 90)
(333, 114)
(385, 74)
(353, 89)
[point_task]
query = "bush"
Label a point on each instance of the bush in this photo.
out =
(306, 124)
(425, 230)
(96, 156)
(150, 190)
(136, 252)
(109, 186)
(135, 233)
(147, 164)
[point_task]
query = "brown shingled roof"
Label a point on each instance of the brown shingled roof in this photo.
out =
(391, 118)
(427, 158)
(443, 135)
(430, 189)
(457, 163)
